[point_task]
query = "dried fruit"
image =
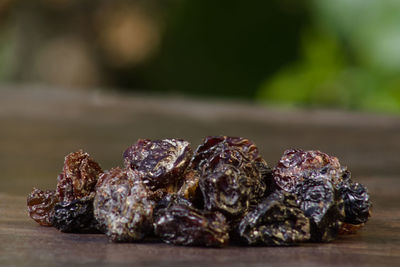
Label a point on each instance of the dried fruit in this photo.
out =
(190, 188)
(226, 190)
(230, 179)
(161, 163)
(321, 202)
(78, 178)
(356, 203)
(224, 149)
(181, 224)
(267, 177)
(276, 221)
(123, 206)
(295, 165)
(112, 189)
(75, 216)
(41, 206)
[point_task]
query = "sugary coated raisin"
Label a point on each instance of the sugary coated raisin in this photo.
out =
(123, 206)
(112, 189)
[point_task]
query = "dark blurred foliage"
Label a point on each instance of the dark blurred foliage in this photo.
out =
(350, 58)
(227, 48)
(217, 48)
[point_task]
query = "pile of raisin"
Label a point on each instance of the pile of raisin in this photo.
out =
(69, 208)
(222, 192)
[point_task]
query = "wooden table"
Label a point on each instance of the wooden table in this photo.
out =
(40, 125)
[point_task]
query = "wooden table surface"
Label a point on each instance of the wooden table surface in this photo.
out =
(39, 126)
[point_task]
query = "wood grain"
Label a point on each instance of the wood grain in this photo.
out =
(23, 242)
(40, 125)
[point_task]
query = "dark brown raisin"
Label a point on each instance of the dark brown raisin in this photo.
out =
(160, 162)
(276, 221)
(41, 206)
(182, 224)
(78, 178)
(294, 165)
(230, 177)
(226, 149)
(356, 203)
(321, 202)
(229, 190)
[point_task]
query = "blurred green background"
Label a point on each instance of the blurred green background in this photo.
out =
(323, 53)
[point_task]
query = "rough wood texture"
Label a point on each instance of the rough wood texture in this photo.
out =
(40, 126)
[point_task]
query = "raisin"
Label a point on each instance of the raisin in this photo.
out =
(190, 188)
(356, 203)
(123, 206)
(228, 190)
(267, 177)
(78, 178)
(41, 206)
(112, 188)
(230, 150)
(276, 221)
(182, 224)
(230, 178)
(161, 162)
(75, 216)
(295, 164)
(321, 202)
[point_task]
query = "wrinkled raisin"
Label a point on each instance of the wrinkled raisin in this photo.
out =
(295, 164)
(112, 189)
(41, 206)
(230, 150)
(321, 202)
(276, 221)
(230, 179)
(123, 206)
(161, 162)
(229, 190)
(356, 203)
(181, 224)
(78, 178)
(75, 216)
